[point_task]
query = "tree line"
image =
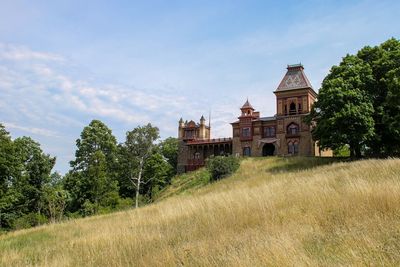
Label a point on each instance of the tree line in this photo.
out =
(104, 176)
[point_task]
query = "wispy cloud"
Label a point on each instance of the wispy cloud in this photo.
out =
(23, 53)
(32, 130)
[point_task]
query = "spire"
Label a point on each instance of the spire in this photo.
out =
(247, 105)
(202, 120)
(295, 78)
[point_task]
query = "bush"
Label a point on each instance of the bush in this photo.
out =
(30, 220)
(222, 166)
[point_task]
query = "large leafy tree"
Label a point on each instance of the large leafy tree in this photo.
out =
(359, 102)
(343, 112)
(93, 176)
(7, 175)
(384, 61)
(391, 117)
(136, 150)
(34, 170)
(7, 166)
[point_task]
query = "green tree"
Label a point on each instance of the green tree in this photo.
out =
(8, 196)
(92, 179)
(222, 166)
(34, 169)
(169, 149)
(7, 162)
(374, 72)
(159, 172)
(384, 61)
(343, 113)
(391, 117)
(137, 149)
(55, 200)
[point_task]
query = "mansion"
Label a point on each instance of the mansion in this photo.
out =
(283, 134)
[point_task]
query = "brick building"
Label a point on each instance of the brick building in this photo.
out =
(285, 133)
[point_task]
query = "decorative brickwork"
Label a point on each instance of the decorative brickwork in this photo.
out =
(283, 134)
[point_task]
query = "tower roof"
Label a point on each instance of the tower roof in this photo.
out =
(295, 78)
(247, 105)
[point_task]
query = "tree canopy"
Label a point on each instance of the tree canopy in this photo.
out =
(359, 101)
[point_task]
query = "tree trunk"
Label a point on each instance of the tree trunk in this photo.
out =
(358, 152)
(139, 180)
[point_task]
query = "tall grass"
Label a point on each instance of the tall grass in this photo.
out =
(337, 214)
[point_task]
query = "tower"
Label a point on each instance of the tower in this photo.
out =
(294, 94)
(180, 129)
(202, 128)
(294, 97)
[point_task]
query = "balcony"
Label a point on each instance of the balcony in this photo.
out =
(292, 134)
(246, 138)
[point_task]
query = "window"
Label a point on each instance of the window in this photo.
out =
(188, 134)
(299, 107)
(247, 151)
(290, 148)
(197, 155)
(246, 132)
(293, 128)
(292, 108)
(296, 148)
(293, 148)
(269, 131)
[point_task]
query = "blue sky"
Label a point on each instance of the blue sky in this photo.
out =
(64, 63)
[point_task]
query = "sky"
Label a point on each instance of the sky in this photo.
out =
(127, 63)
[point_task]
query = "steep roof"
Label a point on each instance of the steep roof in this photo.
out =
(295, 78)
(247, 105)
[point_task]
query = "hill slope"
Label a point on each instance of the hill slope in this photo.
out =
(272, 212)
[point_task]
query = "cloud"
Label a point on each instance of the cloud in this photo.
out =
(48, 97)
(32, 130)
(40, 76)
(22, 53)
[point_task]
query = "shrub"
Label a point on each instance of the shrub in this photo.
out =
(222, 166)
(30, 220)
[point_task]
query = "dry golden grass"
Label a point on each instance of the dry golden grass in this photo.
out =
(337, 214)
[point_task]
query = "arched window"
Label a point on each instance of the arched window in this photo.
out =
(247, 151)
(292, 108)
(246, 132)
(293, 128)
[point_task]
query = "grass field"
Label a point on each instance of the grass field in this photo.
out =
(277, 212)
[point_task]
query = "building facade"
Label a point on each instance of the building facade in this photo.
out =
(283, 134)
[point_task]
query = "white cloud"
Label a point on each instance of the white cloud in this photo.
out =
(31, 130)
(22, 53)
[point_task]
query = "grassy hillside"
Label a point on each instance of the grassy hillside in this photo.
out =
(272, 212)
(185, 184)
